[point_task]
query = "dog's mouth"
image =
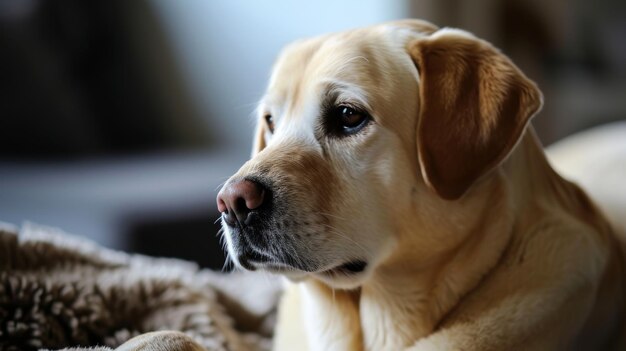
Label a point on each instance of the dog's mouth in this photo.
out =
(346, 269)
(276, 267)
(346, 275)
(253, 258)
(349, 268)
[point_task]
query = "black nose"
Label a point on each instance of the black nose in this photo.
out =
(237, 200)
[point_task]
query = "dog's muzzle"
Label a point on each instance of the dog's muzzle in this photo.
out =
(259, 238)
(244, 204)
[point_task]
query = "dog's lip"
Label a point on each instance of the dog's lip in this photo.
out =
(348, 268)
(273, 266)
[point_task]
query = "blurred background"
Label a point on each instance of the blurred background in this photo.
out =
(119, 119)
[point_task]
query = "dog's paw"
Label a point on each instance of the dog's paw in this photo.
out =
(161, 341)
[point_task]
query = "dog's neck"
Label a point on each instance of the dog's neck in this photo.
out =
(414, 291)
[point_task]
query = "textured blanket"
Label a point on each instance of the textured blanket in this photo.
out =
(59, 291)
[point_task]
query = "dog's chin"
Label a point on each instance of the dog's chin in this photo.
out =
(346, 274)
(350, 275)
(287, 271)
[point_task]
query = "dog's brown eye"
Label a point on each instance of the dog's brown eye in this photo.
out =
(352, 120)
(270, 122)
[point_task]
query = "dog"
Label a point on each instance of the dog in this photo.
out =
(396, 182)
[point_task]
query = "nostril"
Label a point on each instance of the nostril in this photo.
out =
(241, 205)
(221, 205)
(240, 210)
(237, 199)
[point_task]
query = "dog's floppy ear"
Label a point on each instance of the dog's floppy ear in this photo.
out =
(258, 144)
(474, 106)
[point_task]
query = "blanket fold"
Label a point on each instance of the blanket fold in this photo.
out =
(59, 291)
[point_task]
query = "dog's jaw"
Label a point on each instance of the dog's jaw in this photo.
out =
(339, 278)
(336, 272)
(347, 275)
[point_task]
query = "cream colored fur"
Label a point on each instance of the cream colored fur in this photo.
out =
(161, 341)
(500, 253)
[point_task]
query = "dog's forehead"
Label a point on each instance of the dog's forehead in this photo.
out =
(357, 58)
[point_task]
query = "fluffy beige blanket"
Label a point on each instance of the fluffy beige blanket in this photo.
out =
(59, 291)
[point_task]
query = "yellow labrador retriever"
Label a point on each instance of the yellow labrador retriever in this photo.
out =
(396, 180)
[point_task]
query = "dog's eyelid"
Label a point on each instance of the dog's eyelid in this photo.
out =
(350, 103)
(345, 92)
(352, 99)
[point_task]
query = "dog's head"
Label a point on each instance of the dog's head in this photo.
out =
(360, 131)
